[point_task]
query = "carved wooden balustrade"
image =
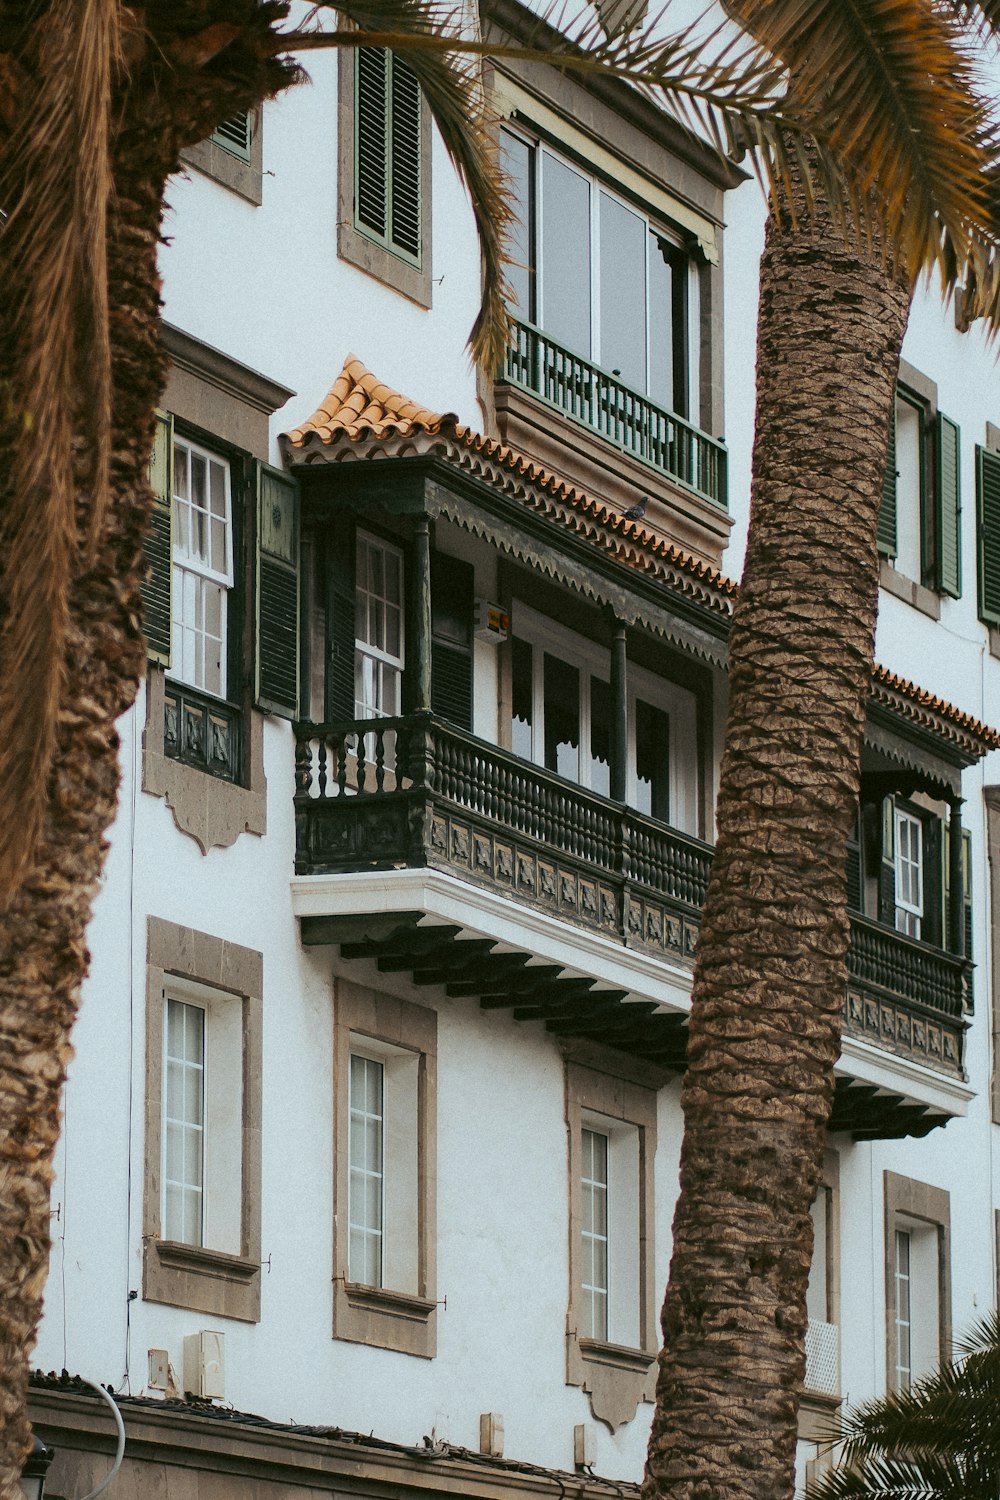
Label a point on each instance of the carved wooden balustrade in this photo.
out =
(415, 792)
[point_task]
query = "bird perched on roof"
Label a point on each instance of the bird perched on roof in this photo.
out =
(637, 511)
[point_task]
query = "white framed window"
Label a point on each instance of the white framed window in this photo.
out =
(600, 277)
(366, 1200)
(909, 872)
(383, 1165)
(594, 1231)
(202, 1122)
(917, 1279)
(379, 629)
(561, 713)
(202, 567)
(385, 1149)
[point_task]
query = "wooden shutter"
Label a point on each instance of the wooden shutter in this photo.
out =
(276, 685)
(947, 509)
(342, 581)
(371, 136)
(404, 159)
(235, 135)
(887, 865)
(387, 159)
(887, 544)
(452, 603)
(966, 891)
(157, 549)
(988, 533)
(934, 842)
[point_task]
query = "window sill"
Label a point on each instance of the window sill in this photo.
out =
(203, 1280)
(616, 1356)
(385, 1319)
(382, 1299)
(907, 589)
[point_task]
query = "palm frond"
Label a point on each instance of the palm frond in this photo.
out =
(55, 184)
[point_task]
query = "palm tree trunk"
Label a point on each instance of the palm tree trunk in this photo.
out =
(771, 968)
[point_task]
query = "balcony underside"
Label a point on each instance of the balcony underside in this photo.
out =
(427, 852)
(464, 964)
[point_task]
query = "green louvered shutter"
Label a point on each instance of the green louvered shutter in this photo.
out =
(387, 162)
(157, 550)
(276, 687)
(340, 691)
(887, 865)
(988, 528)
(948, 509)
(235, 135)
(887, 544)
(452, 589)
(404, 159)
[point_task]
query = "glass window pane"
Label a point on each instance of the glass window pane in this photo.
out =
(522, 691)
(562, 717)
(600, 736)
(623, 292)
(517, 161)
(668, 325)
(566, 255)
(652, 760)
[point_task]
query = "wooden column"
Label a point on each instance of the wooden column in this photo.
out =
(419, 655)
(956, 890)
(619, 709)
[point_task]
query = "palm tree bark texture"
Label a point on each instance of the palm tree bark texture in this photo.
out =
(160, 107)
(771, 965)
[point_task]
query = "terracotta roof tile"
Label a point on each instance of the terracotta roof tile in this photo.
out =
(359, 406)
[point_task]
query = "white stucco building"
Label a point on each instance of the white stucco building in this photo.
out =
(372, 1132)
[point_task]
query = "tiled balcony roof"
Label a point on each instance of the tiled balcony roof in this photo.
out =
(362, 417)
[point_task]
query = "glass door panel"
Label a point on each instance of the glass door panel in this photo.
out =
(566, 253)
(623, 292)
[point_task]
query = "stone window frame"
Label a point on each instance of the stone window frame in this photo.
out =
(384, 1317)
(906, 1198)
(921, 393)
(197, 1277)
(212, 159)
(615, 1377)
(355, 247)
(216, 396)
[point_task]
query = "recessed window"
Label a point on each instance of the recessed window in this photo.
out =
(917, 1279)
(919, 525)
(385, 1148)
(388, 151)
(202, 1202)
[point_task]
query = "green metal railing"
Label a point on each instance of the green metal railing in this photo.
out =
(620, 414)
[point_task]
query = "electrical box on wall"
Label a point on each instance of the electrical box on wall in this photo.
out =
(492, 622)
(205, 1364)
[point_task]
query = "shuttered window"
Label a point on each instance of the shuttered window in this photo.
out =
(948, 510)
(387, 152)
(235, 135)
(988, 533)
(920, 516)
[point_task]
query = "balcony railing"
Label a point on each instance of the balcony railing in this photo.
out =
(620, 414)
(414, 792)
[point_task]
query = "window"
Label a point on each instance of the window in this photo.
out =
(561, 718)
(233, 156)
(596, 275)
(378, 658)
(202, 1197)
(385, 1056)
(612, 1296)
(202, 567)
(919, 523)
(909, 872)
(384, 190)
(917, 1279)
(197, 594)
(988, 534)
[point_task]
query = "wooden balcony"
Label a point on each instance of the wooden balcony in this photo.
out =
(390, 794)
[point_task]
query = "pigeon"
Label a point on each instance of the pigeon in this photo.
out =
(637, 511)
